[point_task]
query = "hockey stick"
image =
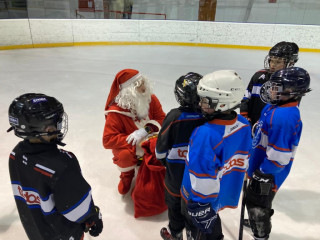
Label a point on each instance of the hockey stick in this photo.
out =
(243, 206)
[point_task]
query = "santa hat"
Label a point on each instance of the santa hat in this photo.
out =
(123, 79)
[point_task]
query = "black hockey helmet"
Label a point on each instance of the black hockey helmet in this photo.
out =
(293, 82)
(186, 90)
(286, 50)
(31, 113)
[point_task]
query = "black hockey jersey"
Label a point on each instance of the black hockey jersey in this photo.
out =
(51, 195)
(172, 144)
(252, 103)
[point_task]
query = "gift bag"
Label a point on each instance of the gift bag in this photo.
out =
(148, 193)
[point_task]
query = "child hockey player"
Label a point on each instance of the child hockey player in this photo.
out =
(53, 199)
(172, 148)
(275, 143)
(218, 155)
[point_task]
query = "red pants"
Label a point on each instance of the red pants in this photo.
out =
(125, 159)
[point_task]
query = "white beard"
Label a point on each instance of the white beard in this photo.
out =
(142, 104)
(137, 103)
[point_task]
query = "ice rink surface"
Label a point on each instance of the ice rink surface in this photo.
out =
(80, 77)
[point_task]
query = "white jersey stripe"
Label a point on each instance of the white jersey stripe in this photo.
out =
(204, 186)
(281, 157)
(45, 168)
(80, 210)
(161, 155)
(256, 90)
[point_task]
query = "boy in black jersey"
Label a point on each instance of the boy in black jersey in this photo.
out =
(53, 199)
(282, 55)
(172, 148)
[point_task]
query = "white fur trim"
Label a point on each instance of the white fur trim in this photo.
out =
(127, 169)
(154, 122)
(129, 114)
(130, 80)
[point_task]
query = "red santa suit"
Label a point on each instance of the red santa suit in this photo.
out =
(120, 123)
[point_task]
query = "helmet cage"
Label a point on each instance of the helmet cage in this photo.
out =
(288, 63)
(209, 102)
(271, 92)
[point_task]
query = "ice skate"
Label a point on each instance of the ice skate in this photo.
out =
(166, 235)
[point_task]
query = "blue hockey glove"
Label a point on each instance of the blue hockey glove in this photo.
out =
(203, 216)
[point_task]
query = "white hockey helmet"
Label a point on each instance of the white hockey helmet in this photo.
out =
(224, 89)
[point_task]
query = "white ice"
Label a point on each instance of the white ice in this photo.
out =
(80, 78)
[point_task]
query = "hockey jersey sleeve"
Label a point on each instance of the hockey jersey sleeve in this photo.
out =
(164, 141)
(284, 133)
(203, 165)
(244, 107)
(72, 194)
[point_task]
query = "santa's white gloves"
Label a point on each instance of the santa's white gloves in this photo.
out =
(137, 136)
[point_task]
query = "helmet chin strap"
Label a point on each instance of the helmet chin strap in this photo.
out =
(53, 141)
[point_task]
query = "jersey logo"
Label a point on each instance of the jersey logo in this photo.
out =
(178, 153)
(29, 196)
(37, 100)
(238, 161)
(32, 198)
(182, 153)
(185, 83)
(13, 121)
(263, 76)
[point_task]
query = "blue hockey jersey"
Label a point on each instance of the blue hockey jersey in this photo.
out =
(217, 161)
(275, 142)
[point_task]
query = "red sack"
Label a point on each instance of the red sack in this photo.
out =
(148, 193)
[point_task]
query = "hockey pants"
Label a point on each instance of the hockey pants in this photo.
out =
(176, 219)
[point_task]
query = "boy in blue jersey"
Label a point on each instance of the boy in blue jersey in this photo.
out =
(276, 138)
(218, 155)
(172, 147)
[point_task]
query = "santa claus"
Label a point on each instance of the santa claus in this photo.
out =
(132, 112)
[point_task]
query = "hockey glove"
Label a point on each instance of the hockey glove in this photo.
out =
(203, 216)
(260, 189)
(136, 137)
(94, 224)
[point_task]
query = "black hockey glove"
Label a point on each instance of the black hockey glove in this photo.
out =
(94, 224)
(260, 189)
(203, 216)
